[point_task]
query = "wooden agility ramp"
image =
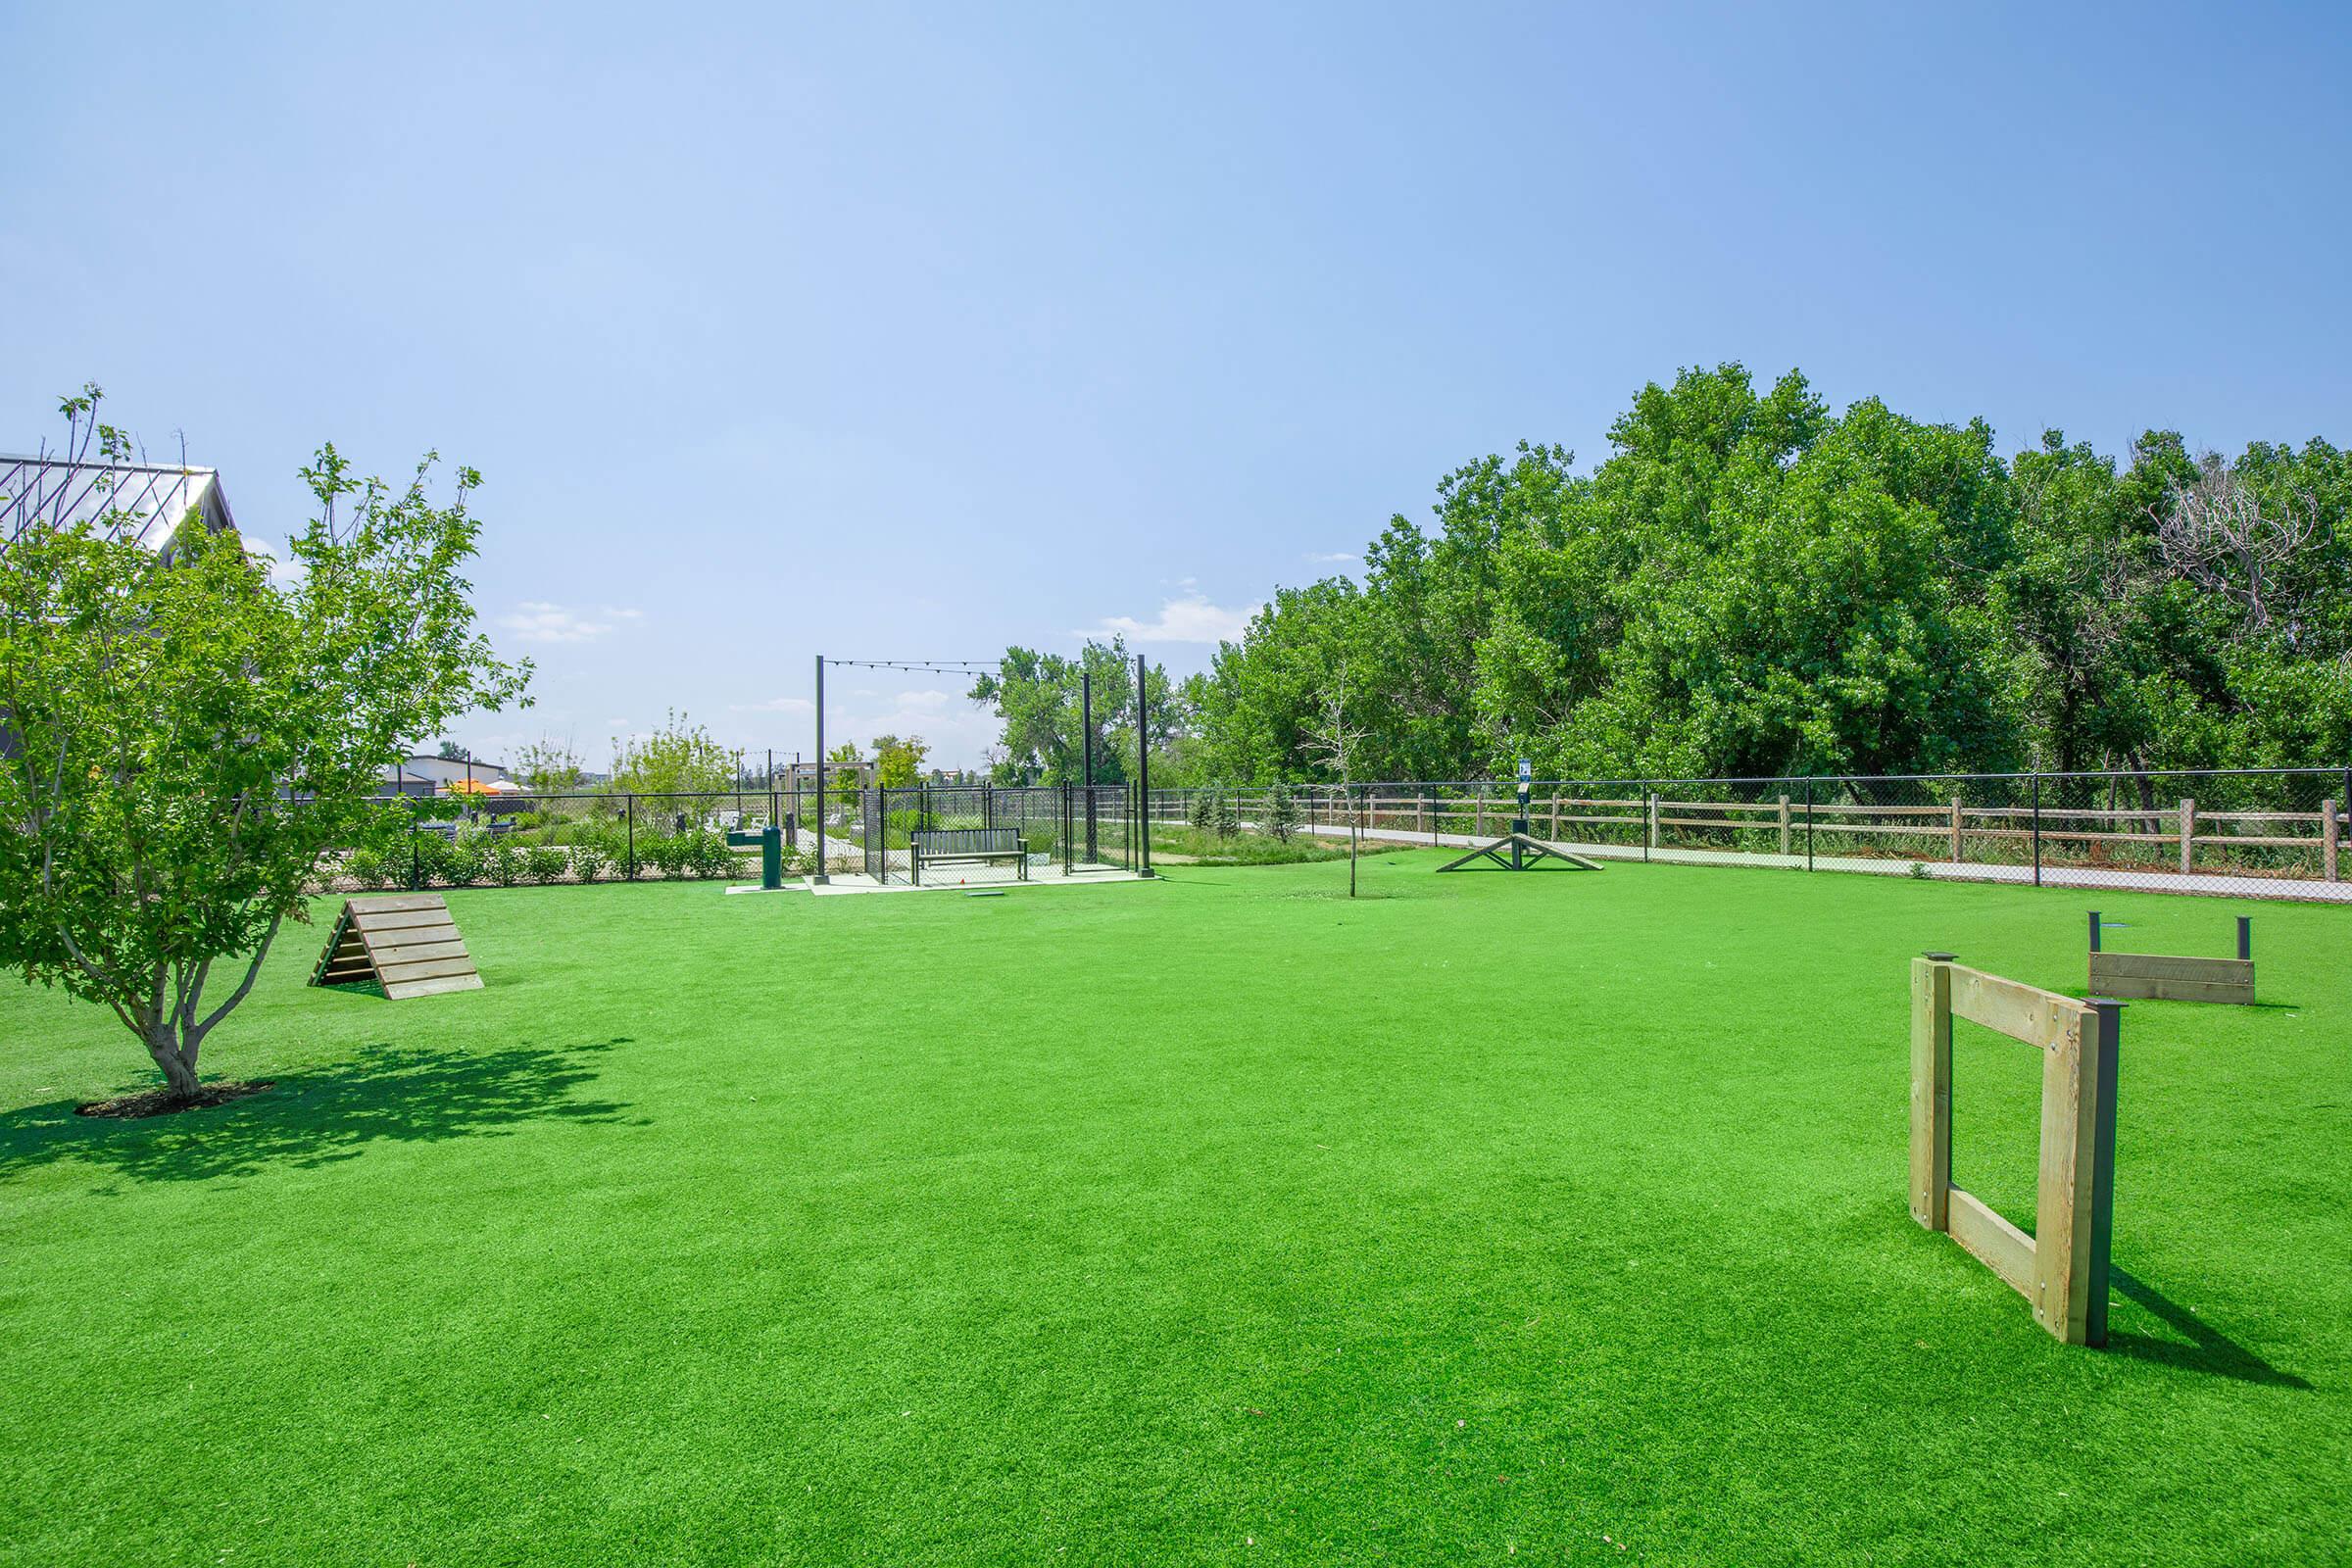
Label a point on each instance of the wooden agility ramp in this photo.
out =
(406, 943)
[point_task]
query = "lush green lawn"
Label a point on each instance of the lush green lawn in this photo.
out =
(1546, 1218)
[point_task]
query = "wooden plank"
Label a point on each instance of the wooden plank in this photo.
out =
(401, 919)
(2062, 1217)
(1931, 1091)
(401, 991)
(411, 952)
(425, 968)
(2229, 994)
(1992, 1241)
(2021, 1012)
(373, 904)
(2121, 966)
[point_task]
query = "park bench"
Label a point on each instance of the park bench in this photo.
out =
(965, 846)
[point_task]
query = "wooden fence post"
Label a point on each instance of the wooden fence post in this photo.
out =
(1555, 816)
(2330, 827)
(1784, 824)
(2188, 835)
(1956, 830)
(1932, 1089)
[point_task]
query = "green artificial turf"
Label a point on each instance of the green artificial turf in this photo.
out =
(1546, 1218)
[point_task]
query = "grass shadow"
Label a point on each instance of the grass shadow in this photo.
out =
(2202, 1348)
(387, 1094)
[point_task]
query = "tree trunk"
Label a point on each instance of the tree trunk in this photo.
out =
(179, 1065)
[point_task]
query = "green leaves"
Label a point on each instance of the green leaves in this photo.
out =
(190, 738)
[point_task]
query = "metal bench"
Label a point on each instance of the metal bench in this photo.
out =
(964, 846)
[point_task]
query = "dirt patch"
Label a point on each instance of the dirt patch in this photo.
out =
(163, 1103)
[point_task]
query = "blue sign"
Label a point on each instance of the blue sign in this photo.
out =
(1526, 769)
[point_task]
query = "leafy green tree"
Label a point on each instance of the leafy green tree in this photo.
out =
(846, 761)
(678, 758)
(190, 739)
(1038, 698)
(549, 767)
(899, 764)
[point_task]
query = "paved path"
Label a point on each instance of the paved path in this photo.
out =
(2146, 880)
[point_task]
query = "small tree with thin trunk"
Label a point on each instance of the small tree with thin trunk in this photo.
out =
(187, 740)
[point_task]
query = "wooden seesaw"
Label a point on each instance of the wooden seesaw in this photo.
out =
(2165, 977)
(406, 943)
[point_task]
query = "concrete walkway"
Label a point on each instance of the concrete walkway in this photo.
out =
(2142, 880)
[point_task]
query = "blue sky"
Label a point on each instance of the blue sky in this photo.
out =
(910, 332)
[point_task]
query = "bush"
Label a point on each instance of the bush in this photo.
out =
(501, 862)
(710, 856)
(591, 859)
(1281, 813)
(545, 862)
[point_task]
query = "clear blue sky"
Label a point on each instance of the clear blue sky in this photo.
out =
(904, 332)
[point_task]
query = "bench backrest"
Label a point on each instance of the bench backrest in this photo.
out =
(965, 840)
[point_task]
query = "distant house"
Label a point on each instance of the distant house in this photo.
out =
(421, 774)
(151, 502)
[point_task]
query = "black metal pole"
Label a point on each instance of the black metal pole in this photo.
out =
(819, 875)
(2245, 935)
(1086, 753)
(2037, 830)
(1143, 755)
(631, 801)
(1354, 817)
(1808, 825)
(2102, 1167)
(2094, 930)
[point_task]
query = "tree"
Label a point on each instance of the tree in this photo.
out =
(549, 767)
(899, 764)
(678, 758)
(1039, 699)
(1225, 815)
(452, 752)
(190, 738)
(848, 762)
(1283, 815)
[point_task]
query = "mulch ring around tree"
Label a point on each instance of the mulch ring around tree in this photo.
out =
(163, 1103)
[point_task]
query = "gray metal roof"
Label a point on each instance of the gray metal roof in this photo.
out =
(143, 501)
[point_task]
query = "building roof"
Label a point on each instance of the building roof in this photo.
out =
(143, 501)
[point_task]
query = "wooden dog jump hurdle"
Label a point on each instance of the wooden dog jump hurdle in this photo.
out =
(2158, 976)
(2061, 1269)
(408, 943)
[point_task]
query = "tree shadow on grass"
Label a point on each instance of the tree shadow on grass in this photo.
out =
(387, 1094)
(2202, 1348)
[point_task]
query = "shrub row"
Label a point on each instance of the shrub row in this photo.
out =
(481, 860)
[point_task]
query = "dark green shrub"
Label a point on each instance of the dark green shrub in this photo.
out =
(544, 863)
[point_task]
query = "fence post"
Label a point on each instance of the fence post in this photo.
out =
(1808, 825)
(631, 801)
(1784, 825)
(2189, 834)
(1956, 830)
(2330, 830)
(416, 859)
(2037, 830)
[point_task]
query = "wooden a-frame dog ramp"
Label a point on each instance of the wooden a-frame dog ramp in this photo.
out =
(406, 943)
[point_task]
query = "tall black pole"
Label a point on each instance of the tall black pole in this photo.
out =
(821, 770)
(1143, 757)
(1086, 753)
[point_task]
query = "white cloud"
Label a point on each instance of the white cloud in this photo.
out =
(535, 620)
(1335, 558)
(1189, 619)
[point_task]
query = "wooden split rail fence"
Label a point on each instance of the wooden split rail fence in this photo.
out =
(2184, 835)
